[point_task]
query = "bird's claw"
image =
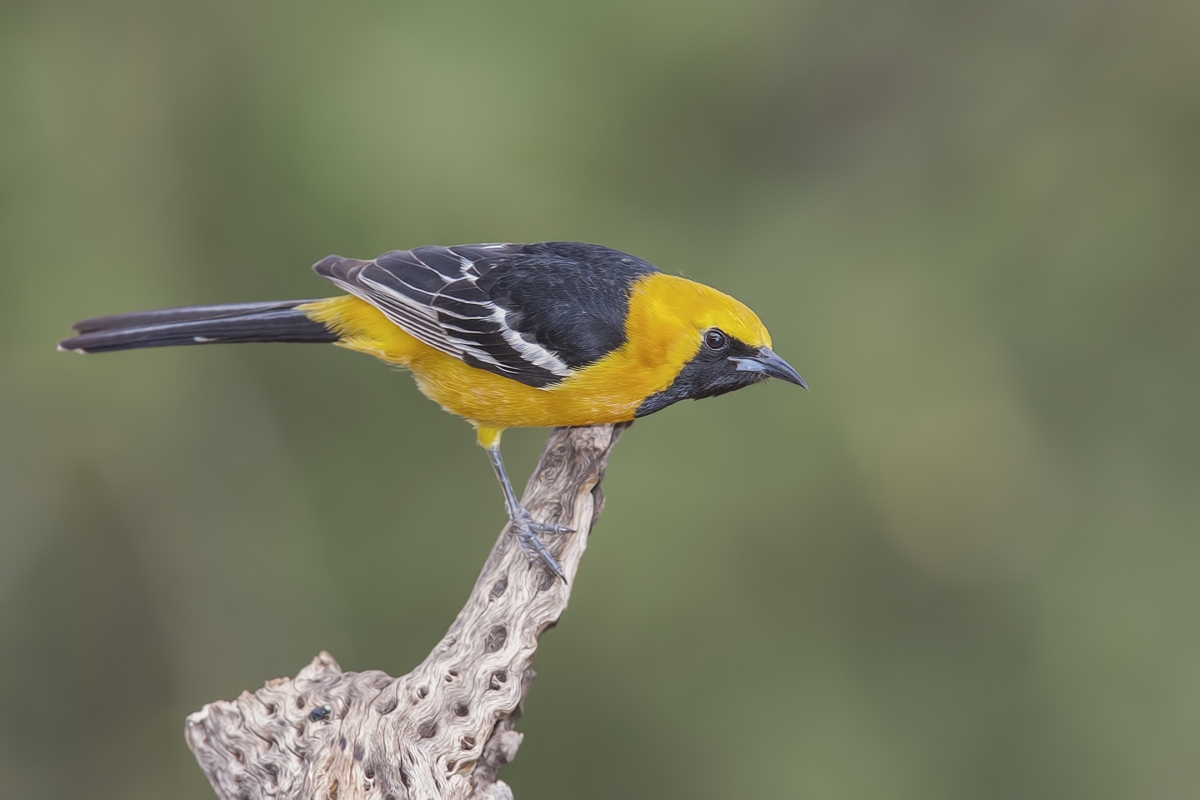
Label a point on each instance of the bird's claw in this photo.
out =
(542, 527)
(526, 532)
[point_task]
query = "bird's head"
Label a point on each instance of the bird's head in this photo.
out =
(707, 342)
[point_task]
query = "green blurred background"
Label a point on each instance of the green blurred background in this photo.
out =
(963, 566)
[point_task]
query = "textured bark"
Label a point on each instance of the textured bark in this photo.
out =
(445, 729)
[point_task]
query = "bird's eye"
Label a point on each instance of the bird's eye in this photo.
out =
(715, 339)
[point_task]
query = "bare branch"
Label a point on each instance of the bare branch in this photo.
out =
(445, 729)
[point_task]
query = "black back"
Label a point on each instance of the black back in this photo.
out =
(570, 298)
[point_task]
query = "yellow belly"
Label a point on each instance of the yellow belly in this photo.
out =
(607, 391)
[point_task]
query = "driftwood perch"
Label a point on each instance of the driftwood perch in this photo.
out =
(445, 729)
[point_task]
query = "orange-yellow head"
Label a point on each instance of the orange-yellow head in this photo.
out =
(705, 342)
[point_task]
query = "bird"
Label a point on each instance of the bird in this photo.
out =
(503, 335)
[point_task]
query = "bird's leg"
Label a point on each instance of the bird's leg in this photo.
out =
(524, 528)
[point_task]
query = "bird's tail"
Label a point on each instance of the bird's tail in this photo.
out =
(225, 324)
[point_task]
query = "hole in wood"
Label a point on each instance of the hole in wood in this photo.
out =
(495, 639)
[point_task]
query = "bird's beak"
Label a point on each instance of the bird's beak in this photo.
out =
(770, 364)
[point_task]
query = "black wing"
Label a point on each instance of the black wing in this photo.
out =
(530, 312)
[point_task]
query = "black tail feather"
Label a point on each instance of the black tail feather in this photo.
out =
(224, 324)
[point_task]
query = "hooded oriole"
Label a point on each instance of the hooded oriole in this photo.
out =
(505, 335)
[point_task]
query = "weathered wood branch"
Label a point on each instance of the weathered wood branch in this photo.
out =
(444, 729)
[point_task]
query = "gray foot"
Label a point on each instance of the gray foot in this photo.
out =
(526, 532)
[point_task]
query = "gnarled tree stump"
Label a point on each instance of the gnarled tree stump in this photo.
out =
(444, 729)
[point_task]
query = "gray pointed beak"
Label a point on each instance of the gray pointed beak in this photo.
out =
(770, 364)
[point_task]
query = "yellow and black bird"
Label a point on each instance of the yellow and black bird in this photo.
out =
(505, 335)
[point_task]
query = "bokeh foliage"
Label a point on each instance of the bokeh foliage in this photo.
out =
(964, 565)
